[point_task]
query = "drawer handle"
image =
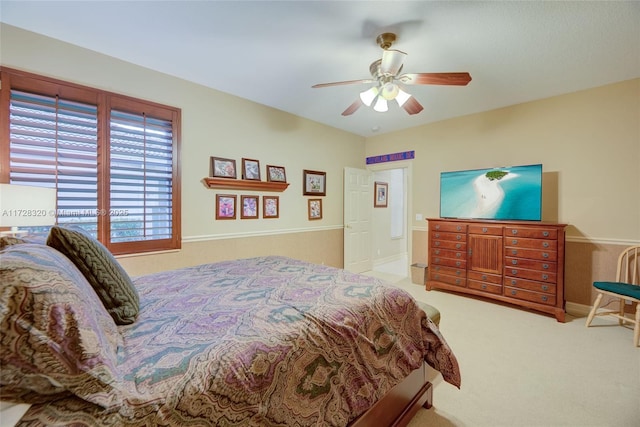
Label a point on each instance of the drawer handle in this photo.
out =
(514, 262)
(514, 242)
(545, 266)
(458, 237)
(545, 277)
(437, 268)
(545, 244)
(545, 255)
(513, 292)
(514, 272)
(458, 254)
(458, 245)
(458, 228)
(484, 277)
(457, 281)
(485, 229)
(484, 286)
(458, 272)
(514, 252)
(544, 298)
(545, 288)
(438, 227)
(513, 282)
(437, 251)
(514, 232)
(458, 263)
(437, 234)
(437, 276)
(437, 244)
(545, 233)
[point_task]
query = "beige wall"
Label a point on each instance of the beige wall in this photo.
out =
(216, 124)
(589, 145)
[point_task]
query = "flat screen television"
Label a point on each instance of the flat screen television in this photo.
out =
(505, 193)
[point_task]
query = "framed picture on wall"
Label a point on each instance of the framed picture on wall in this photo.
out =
(276, 174)
(270, 206)
(251, 169)
(315, 209)
(380, 194)
(314, 183)
(225, 206)
(223, 168)
(250, 207)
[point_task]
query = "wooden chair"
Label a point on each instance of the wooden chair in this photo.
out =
(625, 288)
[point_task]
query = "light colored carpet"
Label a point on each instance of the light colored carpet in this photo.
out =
(525, 369)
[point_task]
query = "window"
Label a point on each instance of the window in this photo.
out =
(112, 159)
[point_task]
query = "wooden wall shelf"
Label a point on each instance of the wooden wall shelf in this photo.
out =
(245, 184)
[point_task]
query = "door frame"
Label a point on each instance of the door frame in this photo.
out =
(408, 200)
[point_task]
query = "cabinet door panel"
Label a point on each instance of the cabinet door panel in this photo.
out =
(485, 253)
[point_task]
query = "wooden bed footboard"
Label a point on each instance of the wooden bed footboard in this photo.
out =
(401, 403)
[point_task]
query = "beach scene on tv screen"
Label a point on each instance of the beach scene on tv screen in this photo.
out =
(509, 193)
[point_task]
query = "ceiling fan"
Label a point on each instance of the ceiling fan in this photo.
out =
(389, 82)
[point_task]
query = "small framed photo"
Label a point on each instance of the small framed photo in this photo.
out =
(315, 208)
(249, 207)
(225, 206)
(270, 206)
(276, 174)
(251, 169)
(223, 168)
(314, 183)
(380, 195)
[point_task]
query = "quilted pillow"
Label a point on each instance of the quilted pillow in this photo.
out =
(112, 284)
(56, 338)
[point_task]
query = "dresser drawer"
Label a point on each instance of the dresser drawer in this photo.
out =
(523, 273)
(442, 235)
(541, 298)
(484, 277)
(543, 244)
(452, 280)
(485, 229)
(447, 253)
(447, 262)
(548, 288)
(450, 226)
(449, 244)
(533, 233)
(483, 286)
(531, 264)
(530, 254)
(450, 271)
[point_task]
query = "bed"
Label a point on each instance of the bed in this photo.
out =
(265, 341)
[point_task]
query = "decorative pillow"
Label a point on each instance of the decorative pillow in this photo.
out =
(56, 338)
(112, 284)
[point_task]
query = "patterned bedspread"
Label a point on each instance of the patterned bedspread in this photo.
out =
(267, 341)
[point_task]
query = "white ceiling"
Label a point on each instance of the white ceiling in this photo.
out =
(272, 52)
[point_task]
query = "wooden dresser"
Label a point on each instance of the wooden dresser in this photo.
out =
(517, 262)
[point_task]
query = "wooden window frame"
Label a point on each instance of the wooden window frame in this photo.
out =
(11, 79)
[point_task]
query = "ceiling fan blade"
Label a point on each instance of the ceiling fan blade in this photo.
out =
(353, 107)
(347, 82)
(412, 106)
(451, 79)
(391, 61)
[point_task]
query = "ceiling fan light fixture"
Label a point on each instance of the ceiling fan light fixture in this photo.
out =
(368, 96)
(402, 97)
(381, 105)
(389, 91)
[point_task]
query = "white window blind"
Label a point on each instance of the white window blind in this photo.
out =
(141, 177)
(54, 143)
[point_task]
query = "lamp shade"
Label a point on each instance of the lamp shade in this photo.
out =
(27, 206)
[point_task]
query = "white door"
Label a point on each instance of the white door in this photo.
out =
(358, 203)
